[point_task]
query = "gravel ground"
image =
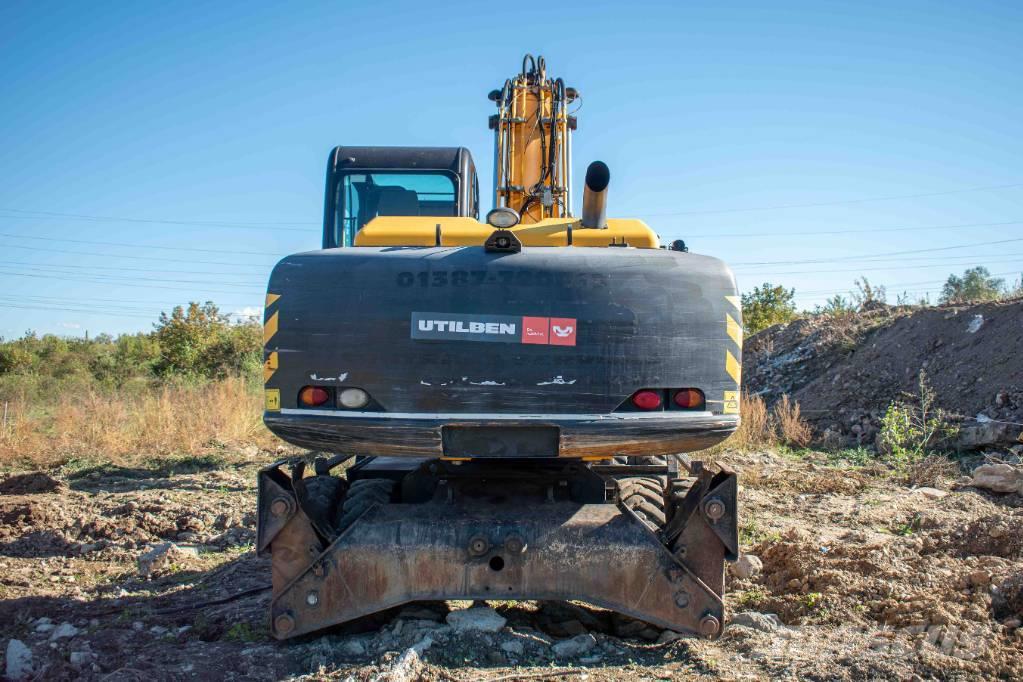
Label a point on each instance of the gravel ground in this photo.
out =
(849, 575)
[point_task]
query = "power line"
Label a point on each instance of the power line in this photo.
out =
(888, 253)
(115, 278)
(54, 276)
(755, 273)
(137, 245)
(106, 268)
(838, 203)
(42, 215)
(264, 268)
(814, 233)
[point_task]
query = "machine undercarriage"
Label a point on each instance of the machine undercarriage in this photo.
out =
(646, 540)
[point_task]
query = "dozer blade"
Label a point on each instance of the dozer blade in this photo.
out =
(399, 553)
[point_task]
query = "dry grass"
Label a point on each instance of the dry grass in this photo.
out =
(761, 428)
(755, 429)
(789, 425)
(123, 426)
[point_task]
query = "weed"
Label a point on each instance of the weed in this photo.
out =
(812, 600)
(790, 427)
(243, 632)
(912, 427)
(751, 598)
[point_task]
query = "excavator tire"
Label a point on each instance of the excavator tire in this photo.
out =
(645, 496)
(362, 495)
(323, 495)
(641, 459)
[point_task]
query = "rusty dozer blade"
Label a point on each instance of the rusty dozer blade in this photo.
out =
(460, 548)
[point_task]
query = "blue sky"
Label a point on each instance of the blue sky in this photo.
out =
(762, 133)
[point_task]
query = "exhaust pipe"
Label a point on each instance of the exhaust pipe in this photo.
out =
(598, 175)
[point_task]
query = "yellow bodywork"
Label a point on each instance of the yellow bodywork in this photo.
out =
(454, 231)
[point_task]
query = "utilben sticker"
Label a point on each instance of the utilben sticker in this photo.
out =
(554, 331)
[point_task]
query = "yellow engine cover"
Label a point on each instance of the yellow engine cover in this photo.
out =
(454, 231)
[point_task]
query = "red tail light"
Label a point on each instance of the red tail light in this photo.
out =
(689, 398)
(647, 399)
(311, 396)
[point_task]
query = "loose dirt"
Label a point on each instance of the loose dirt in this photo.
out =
(868, 579)
(845, 371)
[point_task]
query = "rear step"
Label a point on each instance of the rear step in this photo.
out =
(479, 532)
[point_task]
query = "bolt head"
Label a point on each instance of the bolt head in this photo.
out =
(714, 508)
(514, 544)
(709, 626)
(478, 546)
(280, 507)
(283, 624)
(682, 599)
(312, 598)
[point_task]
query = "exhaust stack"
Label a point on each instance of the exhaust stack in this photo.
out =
(598, 175)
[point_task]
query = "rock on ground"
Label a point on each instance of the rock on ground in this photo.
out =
(478, 618)
(748, 566)
(577, 646)
(19, 660)
(765, 622)
(62, 631)
(999, 478)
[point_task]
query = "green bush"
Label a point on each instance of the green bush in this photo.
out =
(767, 305)
(975, 285)
(911, 428)
(196, 342)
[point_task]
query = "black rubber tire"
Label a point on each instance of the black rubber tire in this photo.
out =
(323, 495)
(362, 495)
(645, 496)
(641, 459)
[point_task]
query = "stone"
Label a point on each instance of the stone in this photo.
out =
(80, 658)
(979, 578)
(669, 636)
(984, 433)
(44, 627)
(18, 661)
(764, 622)
(407, 668)
(481, 618)
(748, 566)
(353, 647)
(931, 493)
(64, 630)
(156, 559)
(999, 478)
(577, 646)
(513, 647)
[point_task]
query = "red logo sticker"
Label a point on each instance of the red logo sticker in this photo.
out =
(534, 329)
(563, 331)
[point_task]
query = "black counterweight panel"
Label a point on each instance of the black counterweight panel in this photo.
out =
(591, 326)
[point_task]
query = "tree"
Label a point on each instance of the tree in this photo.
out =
(767, 305)
(201, 341)
(976, 284)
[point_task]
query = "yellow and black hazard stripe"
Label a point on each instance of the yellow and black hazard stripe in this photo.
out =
(732, 365)
(271, 319)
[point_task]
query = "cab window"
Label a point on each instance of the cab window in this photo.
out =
(362, 196)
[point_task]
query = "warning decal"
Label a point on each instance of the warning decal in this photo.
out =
(554, 331)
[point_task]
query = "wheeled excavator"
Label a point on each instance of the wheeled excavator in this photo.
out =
(506, 406)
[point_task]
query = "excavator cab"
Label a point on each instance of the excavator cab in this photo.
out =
(366, 182)
(515, 393)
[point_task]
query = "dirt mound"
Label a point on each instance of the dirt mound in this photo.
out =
(845, 371)
(32, 483)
